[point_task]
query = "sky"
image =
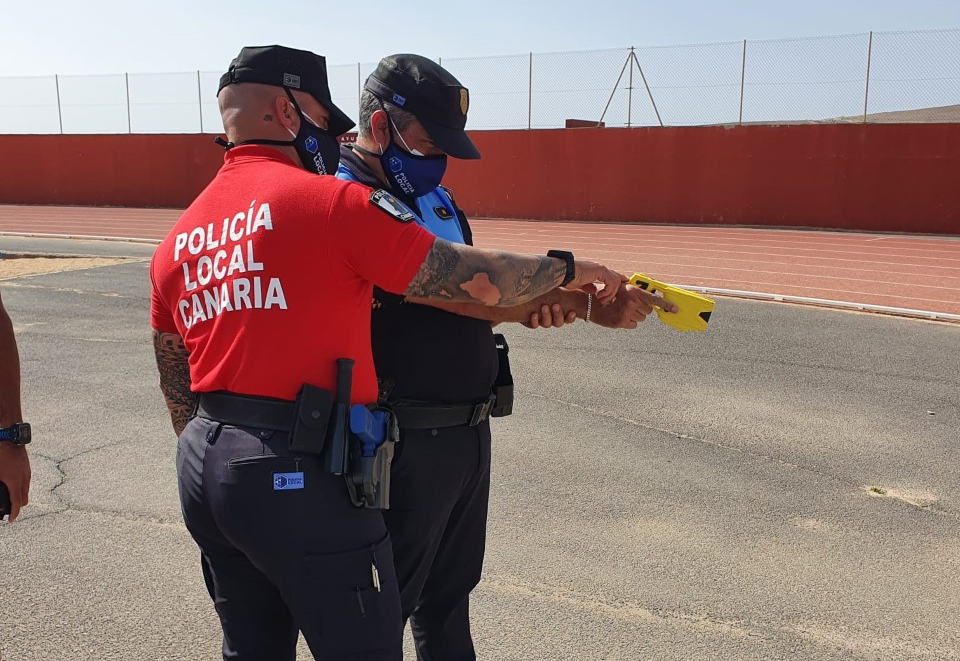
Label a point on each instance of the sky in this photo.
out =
(152, 67)
(64, 37)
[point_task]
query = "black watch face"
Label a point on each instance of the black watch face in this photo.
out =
(23, 435)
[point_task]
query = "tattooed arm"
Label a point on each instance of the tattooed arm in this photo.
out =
(458, 273)
(569, 301)
(174, 377)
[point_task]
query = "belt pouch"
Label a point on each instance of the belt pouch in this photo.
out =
(309, 430)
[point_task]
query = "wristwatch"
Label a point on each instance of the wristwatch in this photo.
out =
(18, 434)
(567, 257)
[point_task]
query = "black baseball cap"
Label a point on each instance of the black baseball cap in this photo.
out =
(430, 93)
(291, 68)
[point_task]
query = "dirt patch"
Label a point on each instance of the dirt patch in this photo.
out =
(16, 267)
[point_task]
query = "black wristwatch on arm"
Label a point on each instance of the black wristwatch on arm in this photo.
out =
(18, 434)
(567, 257)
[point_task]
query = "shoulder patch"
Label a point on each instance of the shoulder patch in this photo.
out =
(391, 206)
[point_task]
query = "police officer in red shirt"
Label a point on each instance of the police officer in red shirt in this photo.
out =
(260, 304)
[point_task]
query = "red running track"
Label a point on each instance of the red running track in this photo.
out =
(900, 271)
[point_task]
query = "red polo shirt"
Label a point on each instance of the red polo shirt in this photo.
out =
(268, 277)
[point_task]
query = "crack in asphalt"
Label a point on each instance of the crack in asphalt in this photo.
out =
(67, 506)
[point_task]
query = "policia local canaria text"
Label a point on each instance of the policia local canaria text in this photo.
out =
(210, 296)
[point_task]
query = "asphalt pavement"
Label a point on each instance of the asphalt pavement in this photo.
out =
(782, 486)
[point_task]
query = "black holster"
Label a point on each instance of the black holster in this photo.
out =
(368, 477)
(503, 386)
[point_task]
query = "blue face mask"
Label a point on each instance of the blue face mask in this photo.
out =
(409, 171)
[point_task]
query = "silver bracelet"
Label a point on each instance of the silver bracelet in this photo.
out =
(589, 306)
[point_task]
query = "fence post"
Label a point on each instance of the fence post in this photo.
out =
(200, 100)
(743, 76)
(866, 89)
(630, 88)
(126, 77)
(56, 81)
(530, 93)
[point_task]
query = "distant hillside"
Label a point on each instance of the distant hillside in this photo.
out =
(920, 115)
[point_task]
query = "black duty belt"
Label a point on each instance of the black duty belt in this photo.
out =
(417, 416)
(245, 411)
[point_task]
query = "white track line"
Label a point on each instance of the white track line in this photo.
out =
(85, 237)
(865, 307)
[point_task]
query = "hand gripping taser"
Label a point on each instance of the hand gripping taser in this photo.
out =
(693, 310)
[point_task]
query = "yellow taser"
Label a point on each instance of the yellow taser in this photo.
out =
(693, 310)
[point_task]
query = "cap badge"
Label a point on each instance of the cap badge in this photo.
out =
(399, 100)
(290, 80)
(464, 101)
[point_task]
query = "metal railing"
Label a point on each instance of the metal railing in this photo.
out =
(870, 77)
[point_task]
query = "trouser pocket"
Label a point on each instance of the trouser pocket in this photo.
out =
(355, 601)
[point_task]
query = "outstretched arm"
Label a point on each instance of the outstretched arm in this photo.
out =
(560, 306)
(462, 274)
(174, 370)
(14, 462)
(574, 302)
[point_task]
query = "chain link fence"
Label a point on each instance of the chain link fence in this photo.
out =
(869, 77)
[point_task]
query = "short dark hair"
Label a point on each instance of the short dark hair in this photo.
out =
(369, 104)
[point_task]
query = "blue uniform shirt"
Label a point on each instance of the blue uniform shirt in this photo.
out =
(434, 211)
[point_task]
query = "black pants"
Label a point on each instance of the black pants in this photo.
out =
(440, 487)
(277, 561)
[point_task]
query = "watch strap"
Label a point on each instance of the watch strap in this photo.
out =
(567, 257)
(18, 434)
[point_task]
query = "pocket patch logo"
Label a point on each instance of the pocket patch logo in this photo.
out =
(287, 481)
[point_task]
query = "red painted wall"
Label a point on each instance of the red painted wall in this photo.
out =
(885, 177)
(903, 177)
(106, 170)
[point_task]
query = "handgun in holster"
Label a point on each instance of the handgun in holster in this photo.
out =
(503, 386)
(374, 433)
(693, 310)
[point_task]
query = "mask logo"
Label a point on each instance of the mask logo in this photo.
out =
(396, 164)
(320, 165)
(311, 145)
(464, 101)
(399, 100)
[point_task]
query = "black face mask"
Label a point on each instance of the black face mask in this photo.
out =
(317, 148)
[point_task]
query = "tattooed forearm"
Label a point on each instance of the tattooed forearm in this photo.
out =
(569, 301)
(452, 272)
(174, 377)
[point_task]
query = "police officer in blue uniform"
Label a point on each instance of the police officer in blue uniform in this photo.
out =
(440, 366)
(436, 368)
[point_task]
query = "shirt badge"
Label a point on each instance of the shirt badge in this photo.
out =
(391, 206)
